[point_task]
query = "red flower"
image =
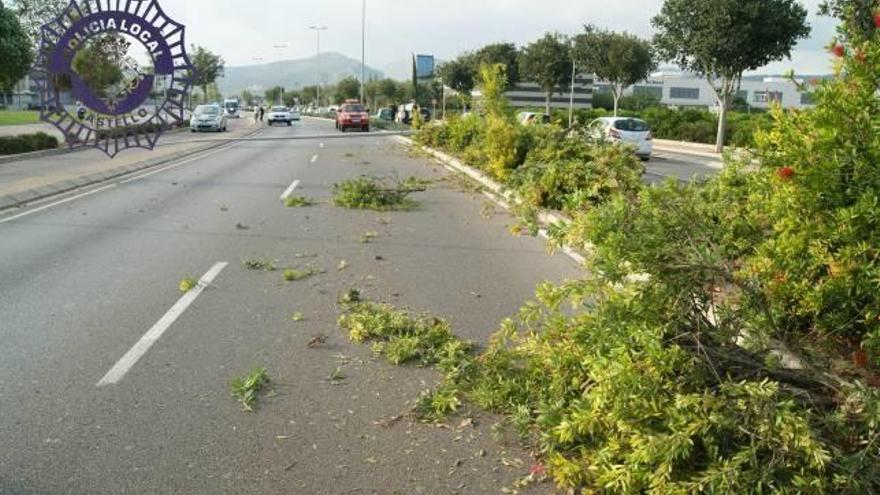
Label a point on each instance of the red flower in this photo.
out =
(785, 173)
(838, 50)
(877, 18)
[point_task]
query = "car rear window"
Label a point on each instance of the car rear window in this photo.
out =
(353, 108)
(632, 125)
(279, 109)
(205, 110)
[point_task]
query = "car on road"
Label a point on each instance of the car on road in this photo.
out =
(529, 118)
(295, 115)
(208, 118)
(352, 116)
(232, 108)
(625, 130)
(279, 115)
(386, 114)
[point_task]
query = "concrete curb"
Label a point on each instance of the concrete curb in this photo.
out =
(20, 199)
(497, 192)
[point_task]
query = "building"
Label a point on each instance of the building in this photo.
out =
(24, 95)
(525, 94)
(684, 90)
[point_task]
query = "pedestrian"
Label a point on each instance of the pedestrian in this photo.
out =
(80, 110)
(262, 112)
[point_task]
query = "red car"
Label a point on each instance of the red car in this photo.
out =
(352, 115)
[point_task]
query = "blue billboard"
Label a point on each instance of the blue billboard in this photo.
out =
(424, 66)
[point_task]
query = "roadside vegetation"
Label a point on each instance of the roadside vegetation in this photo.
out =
(19, 117)
(298, 202)
(27, 143)
(725, 337)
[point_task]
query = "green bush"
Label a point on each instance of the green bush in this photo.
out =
(27, 143)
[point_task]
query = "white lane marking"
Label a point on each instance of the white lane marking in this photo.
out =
(119, 370)
(289, 190)
(314, 159)
(57, 203)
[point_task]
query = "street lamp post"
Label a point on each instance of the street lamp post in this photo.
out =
(363, 50)
(281, 47)
(318, 30)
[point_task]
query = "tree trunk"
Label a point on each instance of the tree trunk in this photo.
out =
(616, 102)
(547, 104)
(722, 124)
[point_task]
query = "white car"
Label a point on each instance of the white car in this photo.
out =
(626, 130)
(294, 115)
(279, 114)
(208, 118)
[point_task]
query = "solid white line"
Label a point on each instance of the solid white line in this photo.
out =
(131, 358)
(289, 191)
(56, 203)
(314, 159)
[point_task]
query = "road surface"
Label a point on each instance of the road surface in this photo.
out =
(82, 282)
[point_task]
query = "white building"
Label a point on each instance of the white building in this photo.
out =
(526, 94)
(684, 90)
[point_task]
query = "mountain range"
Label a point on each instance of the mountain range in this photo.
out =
(292, 73)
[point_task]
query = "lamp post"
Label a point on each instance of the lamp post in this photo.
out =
(318, 30)
(363, 50)
(282, 47)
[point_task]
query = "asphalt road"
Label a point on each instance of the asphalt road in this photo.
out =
(82, 282)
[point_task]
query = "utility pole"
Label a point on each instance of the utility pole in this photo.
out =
(571, 95)
(283, 48)
(318, 30)
(363, 50)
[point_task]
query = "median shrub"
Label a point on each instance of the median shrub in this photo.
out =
(726, 335)
(27, 143)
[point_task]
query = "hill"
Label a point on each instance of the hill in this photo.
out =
(292, 73)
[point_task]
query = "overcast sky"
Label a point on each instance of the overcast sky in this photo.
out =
(244, 30)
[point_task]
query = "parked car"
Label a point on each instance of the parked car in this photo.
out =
(635, 132)
(295, 115)
(386, 114)
(352, 116)
(279, 115)
(208, 118)
(529, 118)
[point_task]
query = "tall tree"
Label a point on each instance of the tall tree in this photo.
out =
(721, 39)
(33, 14)
(547, 62)
(618, 58)
(15, 51)
(208, 68)
(100, 62)
(504, 54)
(247, 97)
(458, 75)
(348, 88)
(389, 91)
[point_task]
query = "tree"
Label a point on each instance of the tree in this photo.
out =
(721, 39)
(504, 54)
(389, 91)
(208, 67)
(33, 14)
(100, 63)
(15, 51)
(618, 58)
(547, 62)
(246, 97)
(273, 94)
(348, 88)
(458, 75)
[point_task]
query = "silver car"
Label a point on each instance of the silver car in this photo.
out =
(208, 118)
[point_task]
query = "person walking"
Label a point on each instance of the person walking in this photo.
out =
(262, 113)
